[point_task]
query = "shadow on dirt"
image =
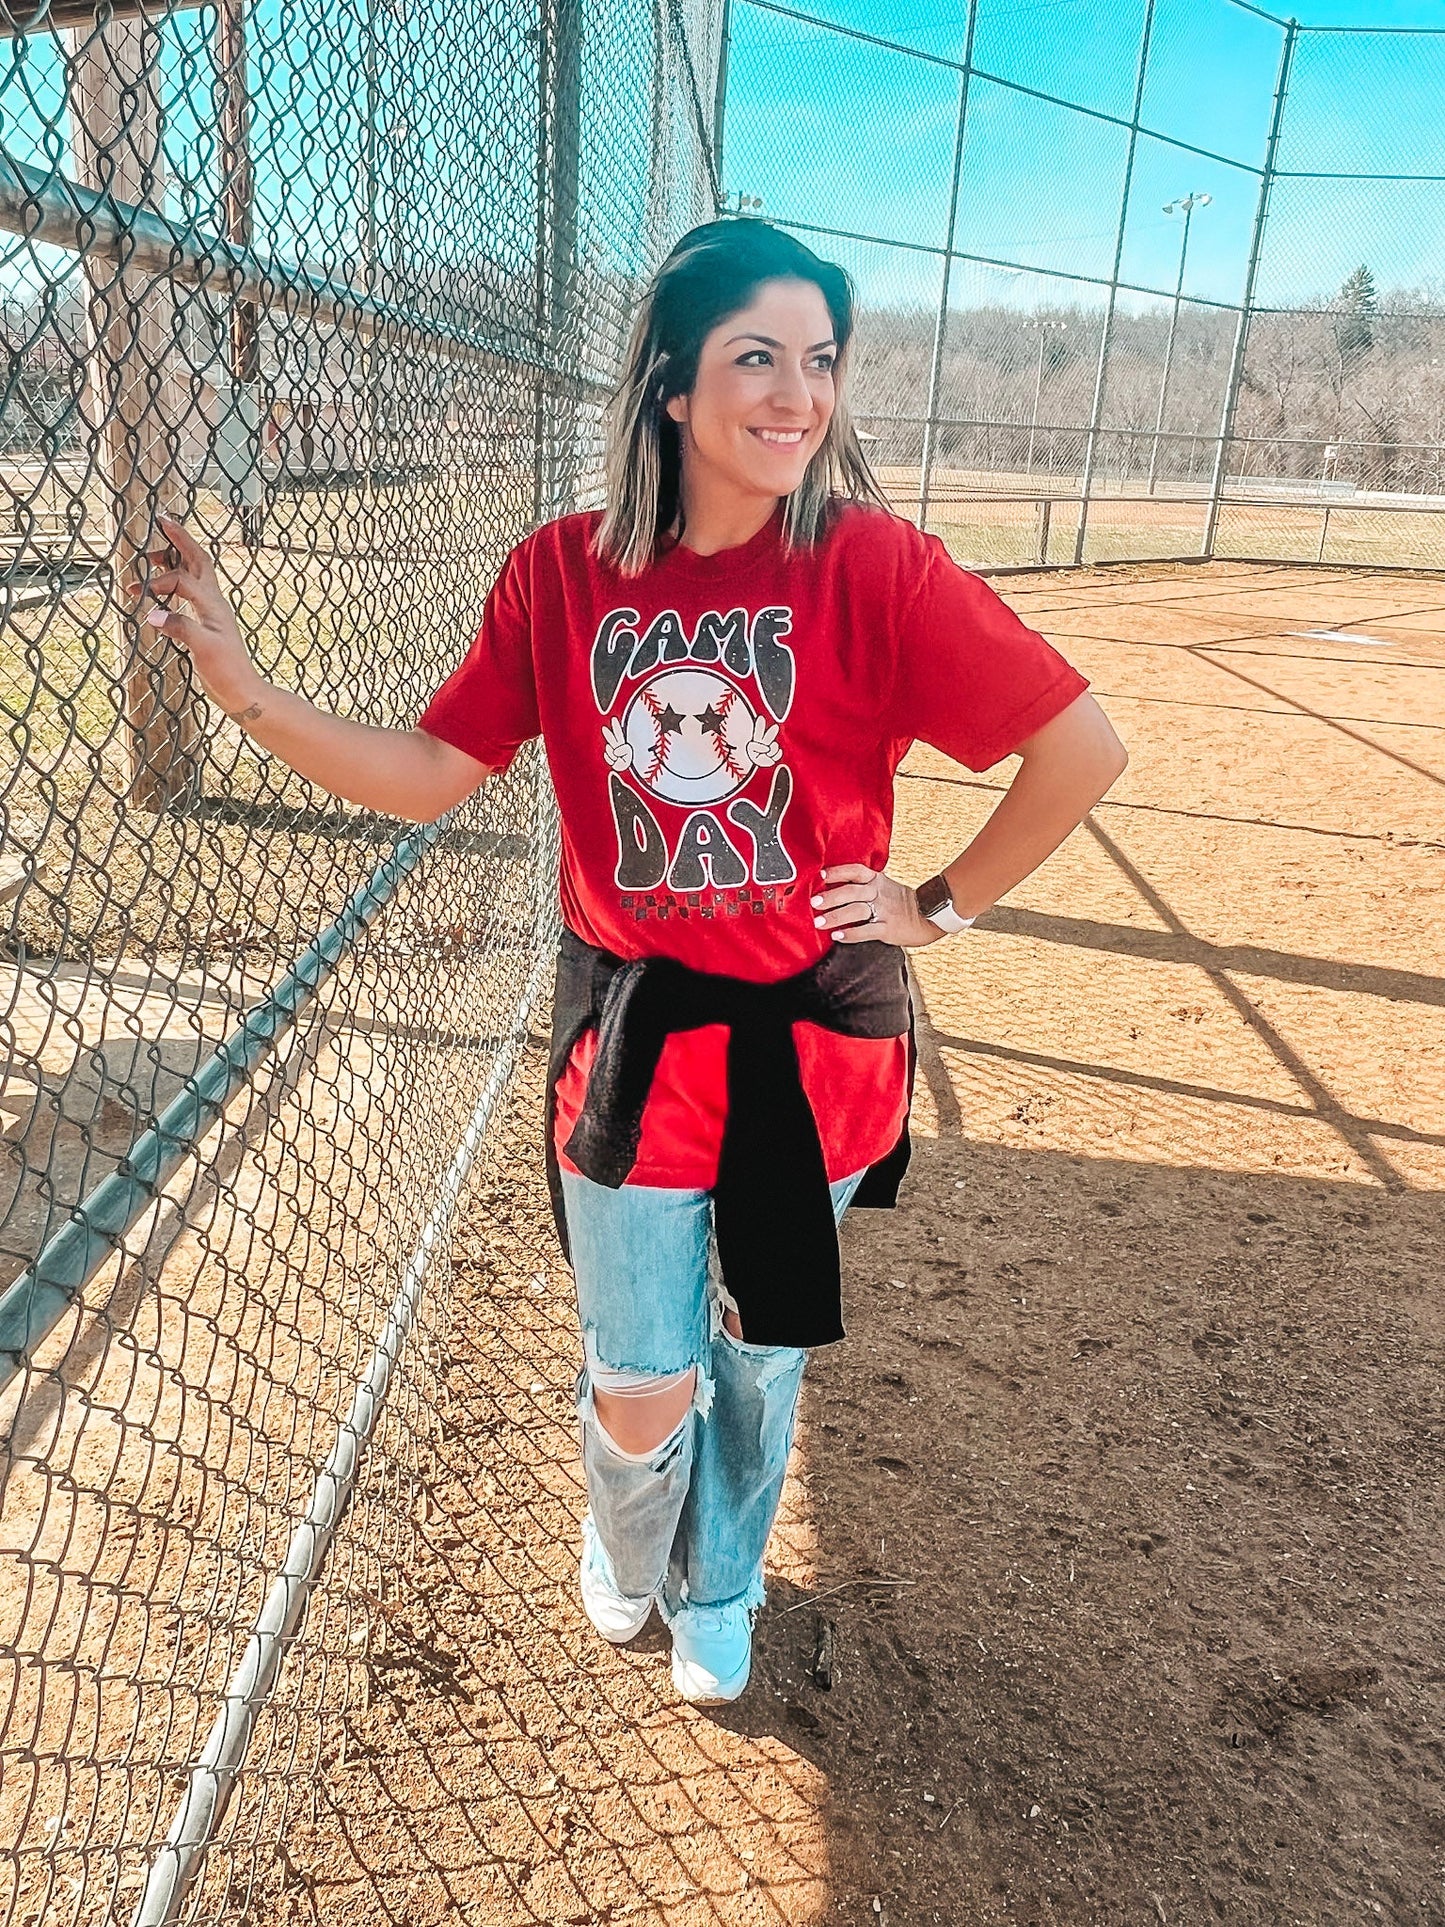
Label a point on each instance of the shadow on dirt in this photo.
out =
(1125, 1489)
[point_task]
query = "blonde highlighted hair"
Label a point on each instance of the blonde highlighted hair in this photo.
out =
(710, 275)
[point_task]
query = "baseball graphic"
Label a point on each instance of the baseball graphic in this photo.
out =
(690, 736)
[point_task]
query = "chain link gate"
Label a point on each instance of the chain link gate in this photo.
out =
(345, 289)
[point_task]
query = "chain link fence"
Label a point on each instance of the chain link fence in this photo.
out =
(1338, 453)
(1154, 280)
(345, 289)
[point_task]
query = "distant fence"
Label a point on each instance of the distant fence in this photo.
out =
(345, 287)
(1117, 267)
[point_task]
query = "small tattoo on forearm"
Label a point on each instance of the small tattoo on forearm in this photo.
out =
(245, 715)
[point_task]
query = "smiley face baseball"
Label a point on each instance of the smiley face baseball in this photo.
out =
(692, 737)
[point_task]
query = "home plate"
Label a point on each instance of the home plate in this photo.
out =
(1339, 635)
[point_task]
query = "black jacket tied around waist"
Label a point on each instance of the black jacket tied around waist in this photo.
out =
(776, 1235)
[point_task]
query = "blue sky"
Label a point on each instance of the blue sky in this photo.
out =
(843, 134)
(835, 132)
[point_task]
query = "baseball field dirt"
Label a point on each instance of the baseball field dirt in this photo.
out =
(1108, 1586)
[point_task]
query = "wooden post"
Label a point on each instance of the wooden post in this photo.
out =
(136, 397)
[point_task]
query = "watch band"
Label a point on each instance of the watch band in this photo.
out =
(949, 921)
(936, 904)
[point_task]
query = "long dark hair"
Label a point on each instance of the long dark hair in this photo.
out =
(712, 273)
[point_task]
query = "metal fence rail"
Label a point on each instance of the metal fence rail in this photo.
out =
(1191, 277)
(344, 288)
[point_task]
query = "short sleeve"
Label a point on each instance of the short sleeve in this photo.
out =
(971, 678)
(488, 705)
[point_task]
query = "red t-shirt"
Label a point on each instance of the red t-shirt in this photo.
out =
(720, 729)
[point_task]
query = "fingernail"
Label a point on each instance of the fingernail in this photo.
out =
(156, 617)
(816, 901)
(819, 922)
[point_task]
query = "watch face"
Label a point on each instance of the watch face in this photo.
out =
(933, 896)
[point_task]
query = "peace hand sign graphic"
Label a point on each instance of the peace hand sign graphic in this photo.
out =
(615, 746)
(761, 749)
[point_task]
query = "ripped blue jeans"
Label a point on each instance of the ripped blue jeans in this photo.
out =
(690, 1521)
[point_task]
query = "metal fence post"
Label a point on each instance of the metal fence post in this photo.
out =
(720, 98)
(940, 332)
(564, 343)
(559, 107)
(1096, 411)
(1246, 305)
(1324, 532)
(541, 304)
(238, 193)
(366, 458)
(566, 158)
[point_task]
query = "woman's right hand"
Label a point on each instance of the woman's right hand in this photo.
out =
(208, 630)
(401, 772)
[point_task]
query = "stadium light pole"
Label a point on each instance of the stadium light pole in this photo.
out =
(1187, 206)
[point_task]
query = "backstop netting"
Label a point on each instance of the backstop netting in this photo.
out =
(1338, 451)
(1151, 280)
(344, 288)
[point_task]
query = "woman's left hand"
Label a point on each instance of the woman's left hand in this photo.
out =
(859, 905)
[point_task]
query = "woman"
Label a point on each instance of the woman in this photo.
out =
(726, 666)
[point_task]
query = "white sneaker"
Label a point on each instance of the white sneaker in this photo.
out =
(615, 1616)
(712, 1651)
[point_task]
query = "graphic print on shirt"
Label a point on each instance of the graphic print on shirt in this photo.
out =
(696, 776)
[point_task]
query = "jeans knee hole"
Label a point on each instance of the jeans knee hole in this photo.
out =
(656, 1458)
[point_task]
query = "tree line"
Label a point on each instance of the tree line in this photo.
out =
(1349, 387)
